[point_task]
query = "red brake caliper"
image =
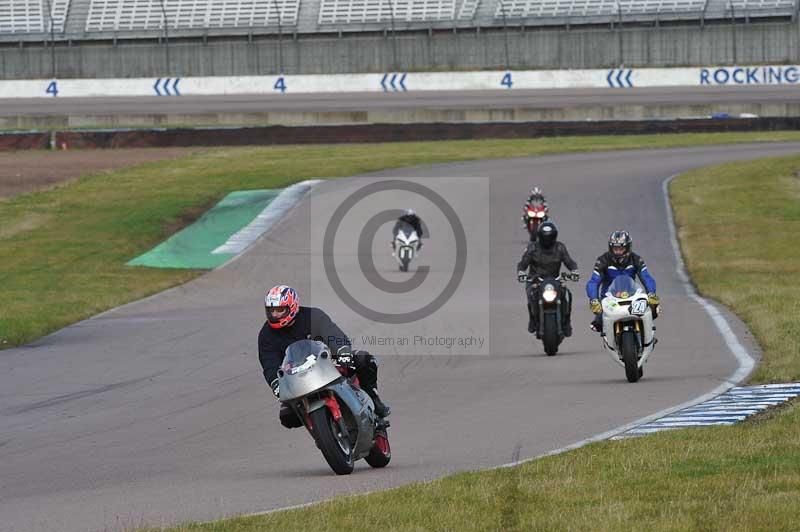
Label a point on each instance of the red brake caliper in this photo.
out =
(333, 406)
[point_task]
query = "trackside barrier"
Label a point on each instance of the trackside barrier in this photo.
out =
(390, 82)
(363, 133)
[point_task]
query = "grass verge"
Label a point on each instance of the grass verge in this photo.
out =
(63, 250)
(743, 477)
(738, 226)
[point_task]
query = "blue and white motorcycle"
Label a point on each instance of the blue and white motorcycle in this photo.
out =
(628, 331)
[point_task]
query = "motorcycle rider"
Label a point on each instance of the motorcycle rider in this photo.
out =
(543, 258)
(288, 322)
(410, 217)
(536, 196)
(535, 199)
(618, 260)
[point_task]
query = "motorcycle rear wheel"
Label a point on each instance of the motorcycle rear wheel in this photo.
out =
(381, 453)
(630, 356)
(334, 446)
(550, 335)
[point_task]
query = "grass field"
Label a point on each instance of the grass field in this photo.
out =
(63, 250)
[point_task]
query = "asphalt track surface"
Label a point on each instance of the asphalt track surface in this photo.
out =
(353, 102)
(157, 412)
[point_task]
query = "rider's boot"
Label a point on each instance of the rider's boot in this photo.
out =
(597, 323)
(368, 377)
(567, 327)
(533, 326)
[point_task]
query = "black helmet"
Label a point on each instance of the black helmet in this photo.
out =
(547, 233)
(619, 246)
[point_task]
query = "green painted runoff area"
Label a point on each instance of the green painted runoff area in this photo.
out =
(192, 246)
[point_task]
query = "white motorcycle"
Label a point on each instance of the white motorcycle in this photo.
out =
(628, 330)
(406, 245)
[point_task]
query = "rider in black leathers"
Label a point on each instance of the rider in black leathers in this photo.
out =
(543, 258)
(288, 322)
(410, 217)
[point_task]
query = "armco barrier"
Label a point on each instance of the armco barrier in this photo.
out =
(366, 133)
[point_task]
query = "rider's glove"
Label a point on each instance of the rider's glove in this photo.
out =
(276, 389)
(595, 306)
(521, 276)
(576, 275)
(652, 298)
(344, 356)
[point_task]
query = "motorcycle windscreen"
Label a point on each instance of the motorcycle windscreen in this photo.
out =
(305, 371)
(298, 355)
(623, 287)
(405, 229)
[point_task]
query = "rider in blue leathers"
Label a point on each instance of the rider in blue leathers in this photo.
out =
(618, 260)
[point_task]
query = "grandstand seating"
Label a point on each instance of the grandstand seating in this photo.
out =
(585, 8)
(96, 19)
(747, 5)
(366, 11)
(117, 15)
(30, 16)
(468, 10)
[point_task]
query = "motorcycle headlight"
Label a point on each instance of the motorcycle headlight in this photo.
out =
(540, 214)
(549, 293)
(531, 214)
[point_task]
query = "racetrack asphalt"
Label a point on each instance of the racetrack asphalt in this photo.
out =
(414, 100)
(157, 412)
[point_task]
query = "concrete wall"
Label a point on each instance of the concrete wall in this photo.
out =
(765, 43)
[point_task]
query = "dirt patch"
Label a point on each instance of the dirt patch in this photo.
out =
(25, 171)
(27, 223)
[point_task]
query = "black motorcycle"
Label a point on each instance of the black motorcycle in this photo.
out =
(549, 293)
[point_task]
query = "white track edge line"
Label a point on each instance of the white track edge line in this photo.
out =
(297, 195)
(266, 219)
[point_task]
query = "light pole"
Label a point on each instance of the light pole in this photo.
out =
(52, 41)
(733, 30)
(619, 33)
(280, 37)
(505, 34)
(166, 34)
(394, 37)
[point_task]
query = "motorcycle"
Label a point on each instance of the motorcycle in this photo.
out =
(628, 330)
(533, 215)
(338, 414)
(550, 302)
(406, 245)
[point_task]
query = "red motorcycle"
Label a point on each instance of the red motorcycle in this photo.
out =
(534, 214)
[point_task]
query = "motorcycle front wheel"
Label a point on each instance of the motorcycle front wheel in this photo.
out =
(334, 445)
(550, 335)
(630, 356)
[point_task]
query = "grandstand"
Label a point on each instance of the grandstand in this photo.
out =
(86, 20)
